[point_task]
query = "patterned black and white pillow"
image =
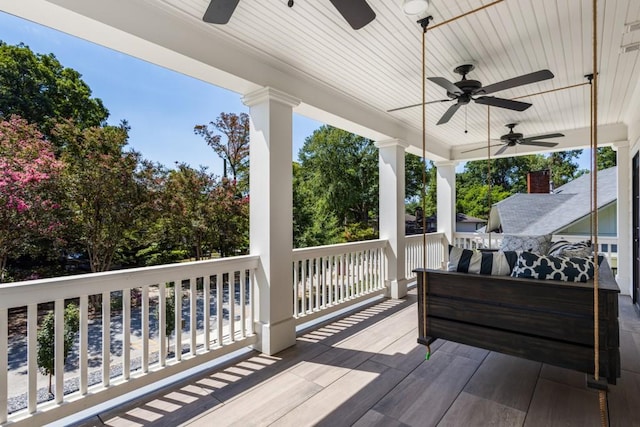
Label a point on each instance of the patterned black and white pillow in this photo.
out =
(477, 262)
(562, 248)
(535, 266)
(537, 244)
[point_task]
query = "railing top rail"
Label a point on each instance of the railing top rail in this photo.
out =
(44, 290)
(341, 248)
(435, 235)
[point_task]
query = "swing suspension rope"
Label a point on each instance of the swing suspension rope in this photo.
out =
(602, 396)
(425, 286)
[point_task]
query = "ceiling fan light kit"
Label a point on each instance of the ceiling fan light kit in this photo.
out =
(415, 7)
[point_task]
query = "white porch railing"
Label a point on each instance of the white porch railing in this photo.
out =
(414, 255)
(121, 348)
(330, 278)
(477, 240)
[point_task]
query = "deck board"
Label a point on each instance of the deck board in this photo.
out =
(471, 410)
(368, 370)
(556, 404)
(506, 380)
(427, 393)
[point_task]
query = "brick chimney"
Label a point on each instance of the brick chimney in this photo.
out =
(538, 182)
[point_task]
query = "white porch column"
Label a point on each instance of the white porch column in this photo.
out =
(446, 193)
(623, 161)
(392, 224)
(271, 215)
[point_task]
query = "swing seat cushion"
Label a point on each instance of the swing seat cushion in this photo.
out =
(481, 262)
(535, 266)
(537, 244)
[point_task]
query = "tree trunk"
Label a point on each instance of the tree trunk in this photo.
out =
(3, 265)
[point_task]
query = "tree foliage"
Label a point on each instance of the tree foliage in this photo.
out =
(28, 188)
(39, 89)
(606, 158)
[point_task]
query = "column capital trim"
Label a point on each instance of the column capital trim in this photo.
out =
(391, 143)
(620, 144)
(453, 163)
(269, 94)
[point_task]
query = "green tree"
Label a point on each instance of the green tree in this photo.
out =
(39, 89)
(105, 196)
(235, 150)
(607, 158)
(510, 173)
(414, 197)
(342, 168)
(473, 200)
(29, 196)
(46, 339)
(564, 166)
(314, 222)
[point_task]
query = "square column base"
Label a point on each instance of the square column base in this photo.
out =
(397, 289)
(275, 337)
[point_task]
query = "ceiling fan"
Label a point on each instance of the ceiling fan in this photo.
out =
(512, 139)
(467, 90)
(357, 13)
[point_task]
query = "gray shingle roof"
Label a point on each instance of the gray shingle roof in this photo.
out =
(548, 213)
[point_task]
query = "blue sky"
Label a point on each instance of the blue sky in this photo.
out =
(161, 106)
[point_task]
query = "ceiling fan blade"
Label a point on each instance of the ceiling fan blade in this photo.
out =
(357, 13)
(502, 150)
(481, 148)
(450, 87)
(539, 143)
(417, 105)
(502, 103)
(518, 81)
(449, 113)
(220, 11)
(551, 135)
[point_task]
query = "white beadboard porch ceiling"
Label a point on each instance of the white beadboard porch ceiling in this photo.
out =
(380, 64)
(379, 68)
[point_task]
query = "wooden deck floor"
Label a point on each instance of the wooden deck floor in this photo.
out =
(367, 370)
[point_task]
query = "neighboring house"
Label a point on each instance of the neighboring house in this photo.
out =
(565, 211)
(464, 224)
(468, 224)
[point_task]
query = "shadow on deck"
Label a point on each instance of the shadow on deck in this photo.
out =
(367, 369)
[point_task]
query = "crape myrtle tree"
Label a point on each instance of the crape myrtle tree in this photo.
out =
(234, 147)
(187, 211)
(105, 195)
(42, 91)
(29, 199)
(202, 214)
(230, 219)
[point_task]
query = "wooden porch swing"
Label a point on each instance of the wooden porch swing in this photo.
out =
(572, 325)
